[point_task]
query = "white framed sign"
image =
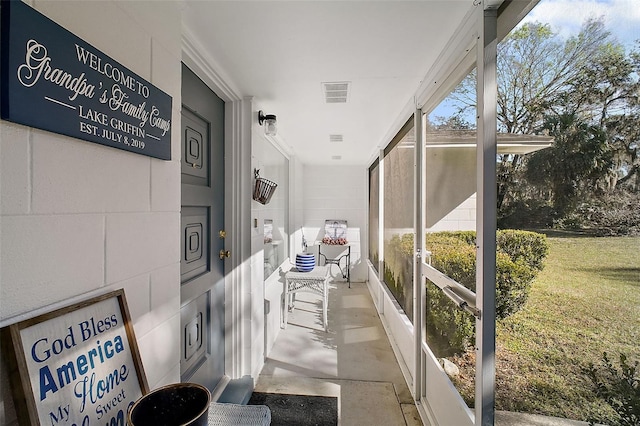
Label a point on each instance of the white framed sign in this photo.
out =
(76, 366)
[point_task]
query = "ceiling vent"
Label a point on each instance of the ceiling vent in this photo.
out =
(336, 92)
(336, 157)
(336, 138)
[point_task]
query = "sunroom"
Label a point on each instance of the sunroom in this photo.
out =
(354, 89)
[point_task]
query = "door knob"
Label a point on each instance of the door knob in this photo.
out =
(224, 253)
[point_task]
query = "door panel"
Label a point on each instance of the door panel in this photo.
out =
(195, 164)
(194, 242)
(202, 344)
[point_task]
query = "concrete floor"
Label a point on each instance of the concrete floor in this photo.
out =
(353, 361)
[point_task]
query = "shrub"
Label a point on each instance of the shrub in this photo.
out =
(617, 214)
(529, 248)
(530, 213)
(398, 269)
(449, 331)
(519, 257)
(620, 388)
(513, 282)
(468, 237)
(456, 259)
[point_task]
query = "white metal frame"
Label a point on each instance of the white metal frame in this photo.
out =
(438, 399)
(486, 219)
(476, 43)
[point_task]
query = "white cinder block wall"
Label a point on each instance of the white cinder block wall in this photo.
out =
(78, 218)
(266, 302)
(267, 309)
(337, 192)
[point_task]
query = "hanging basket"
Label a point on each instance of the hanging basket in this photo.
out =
(264, 189)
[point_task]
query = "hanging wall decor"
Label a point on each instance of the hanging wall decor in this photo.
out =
(53, 80)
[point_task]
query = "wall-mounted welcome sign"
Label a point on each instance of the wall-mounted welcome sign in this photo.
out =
(77, 366)
(53, 80)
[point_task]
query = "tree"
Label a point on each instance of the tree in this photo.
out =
(606, 93)
(453, 122)
(584, 91)
(533, 66)
(578, 159)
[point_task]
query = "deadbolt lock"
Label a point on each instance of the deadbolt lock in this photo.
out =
(222, 234)
(224, 253)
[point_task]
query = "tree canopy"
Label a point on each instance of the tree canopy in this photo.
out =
(585, 92)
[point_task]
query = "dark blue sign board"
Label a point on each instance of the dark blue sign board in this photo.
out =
(55, 81)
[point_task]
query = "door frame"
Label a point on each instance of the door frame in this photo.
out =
(237, 181)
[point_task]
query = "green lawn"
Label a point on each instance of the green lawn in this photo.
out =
(586, 301)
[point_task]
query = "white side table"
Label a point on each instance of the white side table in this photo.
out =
(315, 281)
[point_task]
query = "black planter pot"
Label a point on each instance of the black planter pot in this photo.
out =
(178, 404)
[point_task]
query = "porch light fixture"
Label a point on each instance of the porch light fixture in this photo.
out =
(269, 120)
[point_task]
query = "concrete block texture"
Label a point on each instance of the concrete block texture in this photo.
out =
(165, 291)
(165, 185)
(164, 17)
(46, 259)
(158, 356)
(76, 217)
(73, 176)
(337, 192)
(15, 169)
(140, 242)
(107, 27)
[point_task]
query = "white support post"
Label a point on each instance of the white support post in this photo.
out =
(486, 218)
(381, 253)
(418, 286)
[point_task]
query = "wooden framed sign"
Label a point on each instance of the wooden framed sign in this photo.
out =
(76, 366)
(55, 81)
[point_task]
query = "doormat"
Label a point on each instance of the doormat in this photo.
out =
(299, 410)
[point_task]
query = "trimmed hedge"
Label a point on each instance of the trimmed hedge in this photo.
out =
(513, 282)
(520, 256)
(529, 248)
(449, 329)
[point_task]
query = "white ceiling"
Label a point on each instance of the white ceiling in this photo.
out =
(280, 52)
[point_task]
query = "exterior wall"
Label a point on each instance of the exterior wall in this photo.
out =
(268, 279)
(398, 327)
(274, 285)
(337, 192)
(79, 219)
(462, 218)
(297, 211)
(451, 189)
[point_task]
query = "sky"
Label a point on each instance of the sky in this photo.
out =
(622, 17)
